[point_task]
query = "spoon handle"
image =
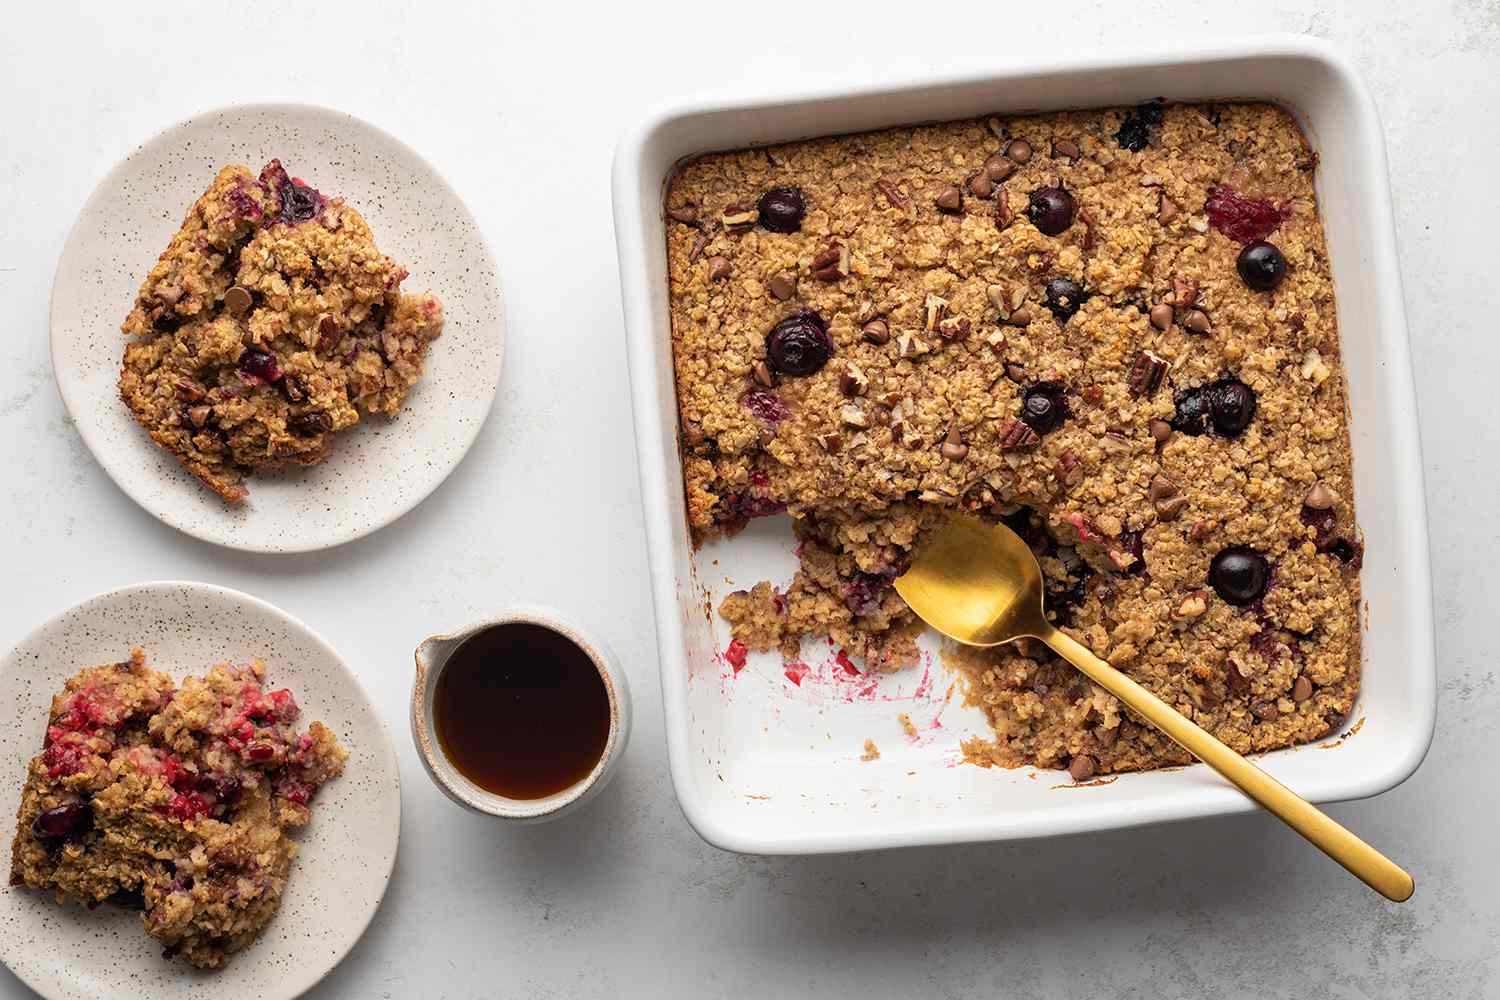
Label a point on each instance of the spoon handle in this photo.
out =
(1363, 861)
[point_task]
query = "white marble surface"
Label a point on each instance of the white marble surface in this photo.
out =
(519, 107)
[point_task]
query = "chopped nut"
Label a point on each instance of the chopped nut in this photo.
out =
(1198, 224)
(700, 243)
(763, 374)
(853, 381)
(1193, 605)
(1115, 445)
(998, 168)
(692, 433)
(738, 220)
(854, 415)
(1018, 151)
(1199, 531)
(893, 194)
(199, 414)
(830, 441)
(1320, 497)
(909, 345)
(953, 328)
(1092, 394)
(783, 285)
(980, 185)
(1066, 148)
(1004, 214)
(1170, 508)
(683, 213)
(1015, 435)
(1184, 295)
(1313, 367)
(1161, 316)
(995, 338)
(935, 308)
(719, 268)
(876, 332)
(1197, 321)
(1016, 373)
(998, 298)
(1146, 374)
(1166, 209)
(1089, 227)
(1302, 689)
(1068, 470)
(1161, 430)
(189, 390)
(950, 199)
(831, 264)
(1161, 487)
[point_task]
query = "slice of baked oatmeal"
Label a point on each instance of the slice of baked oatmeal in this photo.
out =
(175, 802)
(270, 323)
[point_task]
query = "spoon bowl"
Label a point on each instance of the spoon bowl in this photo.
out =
(980, 584)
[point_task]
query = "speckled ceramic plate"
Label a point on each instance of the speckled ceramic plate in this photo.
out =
(380, 469)
(346, 853)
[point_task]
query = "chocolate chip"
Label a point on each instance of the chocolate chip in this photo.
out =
(1320, 497)
(1161, 430)
(1161, 487)
(998, 168)
(1066, 148)
(877, 331)
(683, 213)
(1161, 316)
(954, 449)
(1021, 317)
(1197, 321)
(950, 199)
(1265, 711)
(700, 243)
(237, 300)
(1171, 508)
(830, 441)
(310, 424)
(719, 268)
(783, 285)
(1302, 689)
(1082, 768)
(980, 185)
(1018, 151)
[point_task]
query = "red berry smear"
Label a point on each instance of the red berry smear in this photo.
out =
(735, 655)
(795, 671)
(843, 660)
(766, 406)
(1242, 219)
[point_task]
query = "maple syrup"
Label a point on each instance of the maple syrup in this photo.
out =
(521, 711)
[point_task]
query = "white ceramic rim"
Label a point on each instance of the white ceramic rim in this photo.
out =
(661, 489)
(296, 624)
(456, 785)
(99, 449)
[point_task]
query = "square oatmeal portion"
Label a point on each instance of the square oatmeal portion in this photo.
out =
(270, 323)
(1113, 330)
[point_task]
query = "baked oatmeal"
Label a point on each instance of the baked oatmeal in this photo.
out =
(270, 323)
(175, 801)
(1113, 330)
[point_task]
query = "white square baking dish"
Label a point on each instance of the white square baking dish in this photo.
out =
(764, 765)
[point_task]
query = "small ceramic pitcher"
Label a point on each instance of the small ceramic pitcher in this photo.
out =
(432, 656)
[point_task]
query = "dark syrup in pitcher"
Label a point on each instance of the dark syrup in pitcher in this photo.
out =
(521, 711)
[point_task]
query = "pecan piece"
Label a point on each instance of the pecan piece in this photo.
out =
(1015, 435)
(832, 264)
(1146, 374)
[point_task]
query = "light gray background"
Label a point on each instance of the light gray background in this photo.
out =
(519, 107)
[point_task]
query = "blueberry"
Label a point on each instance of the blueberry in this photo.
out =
(63, 821)
(1225, 406)
(1239, 575)
(310, 424)
(255, 363)
(782, 209)
(799, 344)
(1044, 406)
(1134, 133)
(1064, 296)
(1051, 210)
(299, 203)
(1151, 113)
(1261, 265)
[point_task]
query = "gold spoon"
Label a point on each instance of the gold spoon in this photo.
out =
(981, 585)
